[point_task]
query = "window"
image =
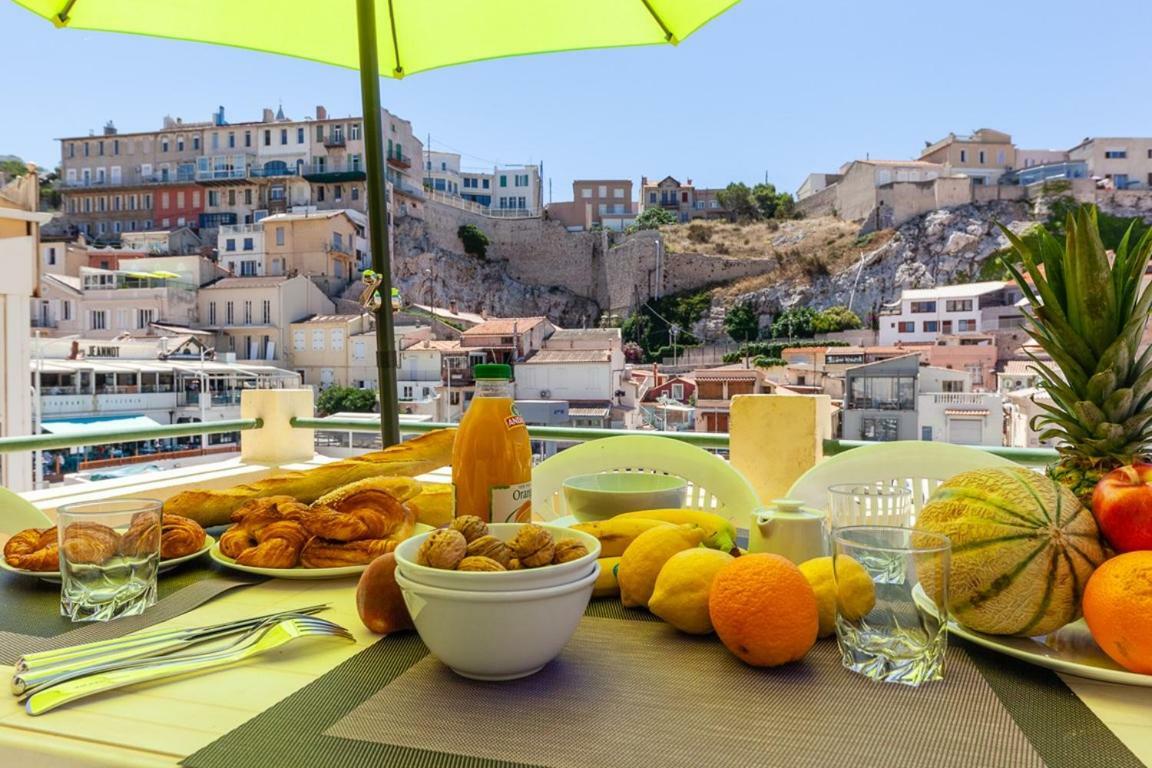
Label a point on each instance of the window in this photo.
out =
(337, 241)
(981, 157)
(148, 201)
(283, 135)
(354, 131)
(958, 305)
(196, 141)
(248, 196)
(618, 193)
(320, 194)
(213, 198)
(931, 326)
(1000, 157)
(952, 386)
(248, 244)
(180, 144)
(503, 181)
(355, 192)
(603, 190)
(906, 327)
(279, 235)
(926, 434)
(211, 313)
(946, 326)
(677, 391)
(602, 210)
(229, 313)
(963, 155)
(266, 311)
(231, 197)
(247, 313)
(318, 340)
(920, 307)
(247, 138)
(521, 203)
(586, 193)
(86, 149)
(879, 430)
(230, 244)
(297, 341)
(966, 325)
(267, 137)
(407, 393)
(484, 184)
(179, 199)
(196, 198)
(144, 317)
(522, 181)
(66, 310)
(337, 339)
(98, 320)
(300, 135)
(337, 192)
(248, 268)
(72, 151)
(52, 255)
(1115, 154)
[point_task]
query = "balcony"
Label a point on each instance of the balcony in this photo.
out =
(397, 160)
(222, 176)
(274, 169)
(211, 220)
(334, 141)
(328, 173)
(241, 229)
(150, 180)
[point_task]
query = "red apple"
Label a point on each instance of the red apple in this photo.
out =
(1122, 503)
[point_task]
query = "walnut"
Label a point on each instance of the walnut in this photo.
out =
(491, 547)
(569, 550)
(471, 526)
(444, 548)
(480, 563)
(534, 546)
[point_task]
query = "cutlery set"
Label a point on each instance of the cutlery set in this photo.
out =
(49, 679)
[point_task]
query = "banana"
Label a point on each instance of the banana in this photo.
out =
(720, 533)
(607, 585)
(616, 534)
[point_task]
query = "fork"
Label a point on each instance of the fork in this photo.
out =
(274, 636)
(24, 684)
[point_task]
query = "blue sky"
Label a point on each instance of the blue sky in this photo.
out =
(776, 88)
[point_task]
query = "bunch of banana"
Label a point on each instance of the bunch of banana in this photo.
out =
(719, 533)
(617, 533)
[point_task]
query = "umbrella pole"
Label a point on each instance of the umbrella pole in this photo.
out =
(386, 364)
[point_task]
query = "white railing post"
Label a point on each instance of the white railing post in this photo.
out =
(774, 439)
(277, 442)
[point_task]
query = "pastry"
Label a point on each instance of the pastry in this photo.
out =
(320, 553)
(367, 509)
(142, 536)
(413, 457)
(278, 545)
(254, 516)
(89, 543)
(34, 549)
(180, 536)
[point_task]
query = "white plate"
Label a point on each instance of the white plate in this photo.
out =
(304, 574)
(53, 577)
(1070, 650)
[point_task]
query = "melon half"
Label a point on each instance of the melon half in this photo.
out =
(1023, 548)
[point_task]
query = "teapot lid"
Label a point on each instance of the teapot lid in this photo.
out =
(792, 507)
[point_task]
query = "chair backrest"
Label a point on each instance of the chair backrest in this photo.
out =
(16, 514)
(713, 484)
(916, 464)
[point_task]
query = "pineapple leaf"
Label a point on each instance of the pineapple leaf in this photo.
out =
(1090, 301)
(1089, 414)
(1101, 385)
(1118, 406)
(1137, 426)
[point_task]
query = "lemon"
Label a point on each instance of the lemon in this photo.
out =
(855, 592)
(682, 588)
(646, 555)
(606, 583)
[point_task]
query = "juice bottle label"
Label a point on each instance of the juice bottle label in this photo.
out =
(511, 503)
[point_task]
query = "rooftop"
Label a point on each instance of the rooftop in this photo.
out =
(953, 291)
(330, 319)
(505, 326)
(279, 218)
(246, 282)
(569, 356)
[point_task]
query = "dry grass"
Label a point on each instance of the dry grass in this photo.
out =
(807, 248)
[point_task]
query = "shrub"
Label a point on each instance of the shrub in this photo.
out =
(721, 249)
(834, 319)
(699, 233)
(475, 241)
(346, 399)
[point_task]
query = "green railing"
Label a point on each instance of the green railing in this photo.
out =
(125, 435)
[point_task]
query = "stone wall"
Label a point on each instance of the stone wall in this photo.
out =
(823, 203)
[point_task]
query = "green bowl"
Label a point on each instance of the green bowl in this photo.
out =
(599, 497)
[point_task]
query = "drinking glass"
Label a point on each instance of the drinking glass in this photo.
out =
(109, 557)
(903, 636)
(869, 504)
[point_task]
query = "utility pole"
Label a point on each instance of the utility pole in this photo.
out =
(428, 159)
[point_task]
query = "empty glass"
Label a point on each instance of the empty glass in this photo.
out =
(903, 636)
(109, 557)
(869, 504)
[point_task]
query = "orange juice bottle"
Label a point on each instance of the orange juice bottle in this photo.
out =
(492, 455)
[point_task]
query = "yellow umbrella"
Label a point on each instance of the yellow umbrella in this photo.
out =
(393, 38)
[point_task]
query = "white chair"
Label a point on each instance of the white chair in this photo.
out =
(16, 514)
(915, 464)
(713, 485)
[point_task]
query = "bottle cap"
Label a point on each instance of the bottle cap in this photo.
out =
(492, 371)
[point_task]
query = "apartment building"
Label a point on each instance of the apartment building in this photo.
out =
(217, 173)
(442, 172)
(715, 388)
(164, 242)
(318, 244)
(816, 182)
(575, 365)
(603, 203)
(62, 256)
(105, 303)
(1124, 163)
(685, 201)
(509, 339)
(984, 155)
(251, 317)
(923, 314)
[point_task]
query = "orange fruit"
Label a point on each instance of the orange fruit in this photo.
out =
(1118, 609)
(764, 610)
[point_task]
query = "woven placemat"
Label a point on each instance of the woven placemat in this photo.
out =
(299, 731)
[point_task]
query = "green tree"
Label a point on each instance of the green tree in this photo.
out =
(742, 323)
(737, 199)
(346, 399)
(794, 323)
(766, 199)
(657, 320)
(653, 217)
(838, 318)
(475, 241)
(12, 166)
(785, 206)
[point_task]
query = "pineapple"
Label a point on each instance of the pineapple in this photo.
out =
(1089, 316)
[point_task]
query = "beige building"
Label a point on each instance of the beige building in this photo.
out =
(251, 317)
(62, 256)
(1124, 163)
(20, 223)
(867, 184)
(597, 202)
(685, 201)
(984, 156)
(105, 303)
(318, 244)
(509, 339)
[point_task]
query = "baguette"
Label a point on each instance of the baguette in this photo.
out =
(414, 457)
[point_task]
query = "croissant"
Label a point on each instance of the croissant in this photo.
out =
(89, 543)
(142, 536)
(34, 549)
(278, 545)
(180, 536)
(367, 509)
(235, 540)
(320, 553)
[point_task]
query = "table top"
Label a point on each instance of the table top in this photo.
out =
(162, 724)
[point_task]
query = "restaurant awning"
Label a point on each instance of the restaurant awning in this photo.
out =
(86, 426)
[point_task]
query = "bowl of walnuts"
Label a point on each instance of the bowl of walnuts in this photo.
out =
(473, 555)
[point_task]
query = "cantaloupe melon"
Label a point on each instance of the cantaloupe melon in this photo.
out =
(1023, 548)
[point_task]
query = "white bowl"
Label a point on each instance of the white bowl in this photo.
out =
(497, 635)
(501, 581)
(600, 496)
